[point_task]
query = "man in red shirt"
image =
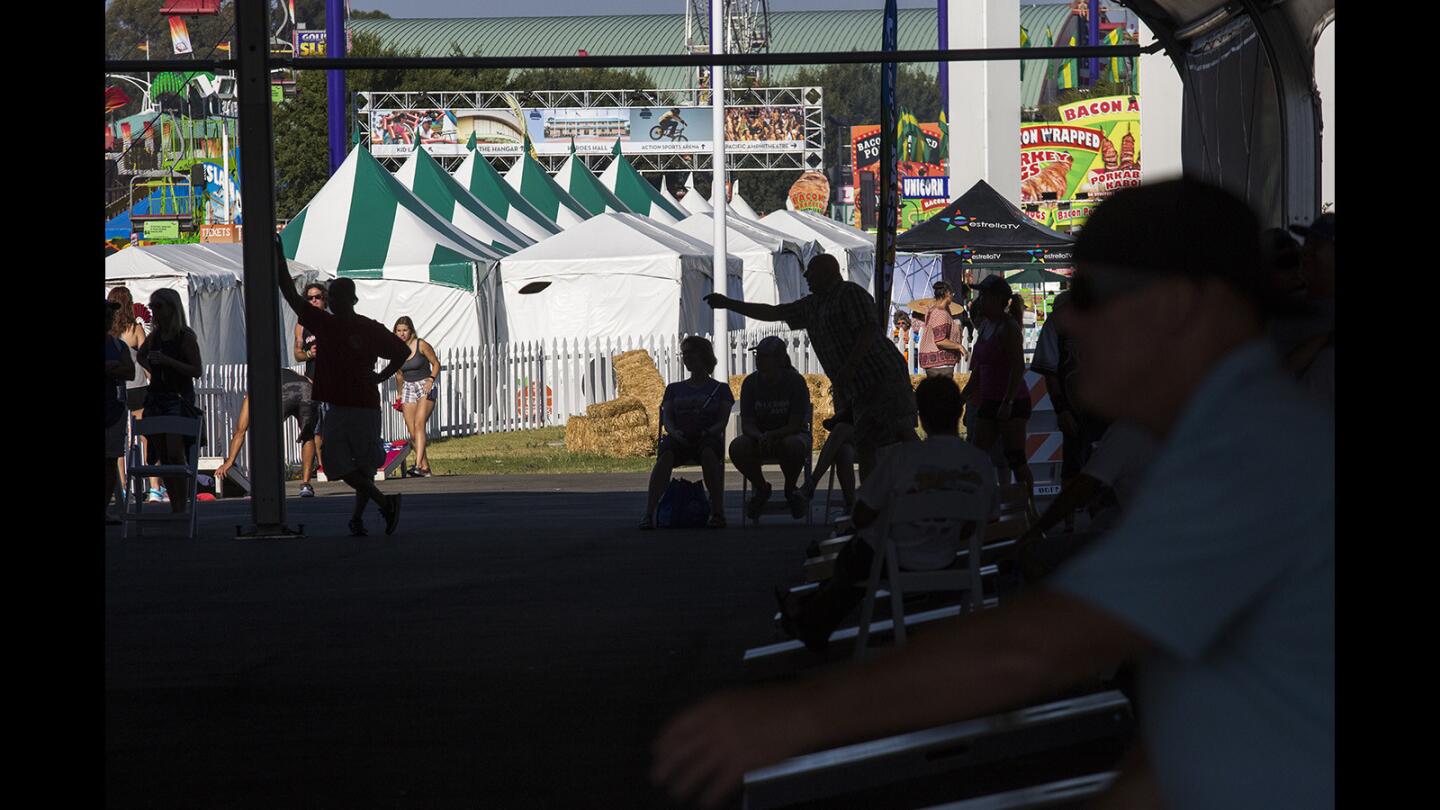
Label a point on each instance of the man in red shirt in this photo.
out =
(345, 379)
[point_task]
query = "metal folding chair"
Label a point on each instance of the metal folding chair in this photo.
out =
(136, 472)
(809, 462)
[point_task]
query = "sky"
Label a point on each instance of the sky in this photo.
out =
(536, 8)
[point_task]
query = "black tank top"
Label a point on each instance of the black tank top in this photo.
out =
(166, 380)
(416, 368)
(307, 343)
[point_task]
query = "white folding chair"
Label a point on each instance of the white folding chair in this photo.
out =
(904, 510)
(137, 471)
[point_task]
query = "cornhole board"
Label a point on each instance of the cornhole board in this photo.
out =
(396, 453)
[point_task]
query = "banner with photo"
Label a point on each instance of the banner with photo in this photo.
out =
(663, 130)
(922, 167)
(1093, 150)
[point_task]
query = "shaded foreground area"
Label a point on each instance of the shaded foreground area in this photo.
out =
(516, 647)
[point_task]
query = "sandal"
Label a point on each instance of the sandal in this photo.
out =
(716, 522)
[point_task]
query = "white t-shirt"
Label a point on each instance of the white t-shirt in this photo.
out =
(1120, 460)
(940, 463)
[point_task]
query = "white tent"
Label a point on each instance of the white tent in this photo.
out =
(670, 198)
(208, 278)
(612, 275)
(692, 201)
(856, 255)
(738, 203)
(774, 268)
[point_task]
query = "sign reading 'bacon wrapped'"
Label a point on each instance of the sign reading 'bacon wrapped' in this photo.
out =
(1094, 150)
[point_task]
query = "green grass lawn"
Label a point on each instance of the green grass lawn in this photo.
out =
(522, 451)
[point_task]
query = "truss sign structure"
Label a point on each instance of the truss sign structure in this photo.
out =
(659, 130)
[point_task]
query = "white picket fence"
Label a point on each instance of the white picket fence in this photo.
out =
(514, 386)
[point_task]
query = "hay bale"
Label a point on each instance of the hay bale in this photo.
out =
(823, 405)
(577, 435)
(615, 407)
(637, 377)
(625, 436)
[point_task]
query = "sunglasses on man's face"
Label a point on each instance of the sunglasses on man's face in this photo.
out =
(315, 298)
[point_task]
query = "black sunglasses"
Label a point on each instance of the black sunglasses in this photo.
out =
(315, 298)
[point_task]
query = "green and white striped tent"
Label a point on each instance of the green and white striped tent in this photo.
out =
(405, 258)
(527, 177)
(437, 189)
(480, 178)
(637, 193)
(693, 202)
(579, 183)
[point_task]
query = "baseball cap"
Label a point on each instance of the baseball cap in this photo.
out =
(771, 345)
(1180, 227)
(994, 285)
(1323, 227)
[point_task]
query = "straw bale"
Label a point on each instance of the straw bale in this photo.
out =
(625, 436)
(577, 435)
(637, 377)
(615, 407)
(822, 404)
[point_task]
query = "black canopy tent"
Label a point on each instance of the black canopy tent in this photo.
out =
(984, 228)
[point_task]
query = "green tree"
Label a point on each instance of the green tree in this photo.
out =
(302, 162)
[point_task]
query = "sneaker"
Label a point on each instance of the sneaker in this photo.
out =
(799, 504)
(158, 496)
(357, 528)
(307, 491)
(757, 502)
(391, 513)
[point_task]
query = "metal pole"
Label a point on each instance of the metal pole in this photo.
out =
(943, 40)
(719, 269)
(889, 200)
(225, 165)
(262, 312)
(1094, 29)
(335, 82)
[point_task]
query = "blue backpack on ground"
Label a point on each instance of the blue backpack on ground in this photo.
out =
(683, 506)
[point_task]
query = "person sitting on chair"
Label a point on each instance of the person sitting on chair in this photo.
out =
(944, 462)
(694, 412)
(774, 406)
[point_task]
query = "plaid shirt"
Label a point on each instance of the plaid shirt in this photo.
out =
(833, 319)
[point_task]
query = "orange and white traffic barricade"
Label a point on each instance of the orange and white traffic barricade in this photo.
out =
(1043, 441)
